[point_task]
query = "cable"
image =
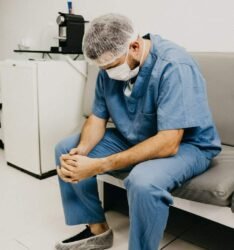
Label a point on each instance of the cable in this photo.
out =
(77, 68)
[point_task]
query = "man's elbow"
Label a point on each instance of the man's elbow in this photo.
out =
(169, 151)
(172, 139)
(175, 146)
(174, 150)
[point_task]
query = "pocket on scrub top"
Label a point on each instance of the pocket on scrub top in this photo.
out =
(146, 125)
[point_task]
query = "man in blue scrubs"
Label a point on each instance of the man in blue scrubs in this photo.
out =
(156, 97)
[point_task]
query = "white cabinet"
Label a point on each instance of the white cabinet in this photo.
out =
(42, 104)
(1, 134)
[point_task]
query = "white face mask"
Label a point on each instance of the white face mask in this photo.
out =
(123, 72)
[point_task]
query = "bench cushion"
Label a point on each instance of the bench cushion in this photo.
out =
(216, 185)
(208, 187)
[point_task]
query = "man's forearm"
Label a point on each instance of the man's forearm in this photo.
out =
(92, 132)
(159, 146)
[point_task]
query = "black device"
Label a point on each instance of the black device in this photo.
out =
(71, 31)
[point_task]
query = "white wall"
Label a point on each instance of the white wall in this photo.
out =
(197, 25)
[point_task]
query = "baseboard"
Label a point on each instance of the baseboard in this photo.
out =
(1, 144)
(40, 177)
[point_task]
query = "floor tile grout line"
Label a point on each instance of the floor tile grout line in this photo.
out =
(168, 243)
(22, 244)
(177, 237)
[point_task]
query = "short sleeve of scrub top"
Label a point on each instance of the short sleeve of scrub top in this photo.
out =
(181, 99)
(99, 108)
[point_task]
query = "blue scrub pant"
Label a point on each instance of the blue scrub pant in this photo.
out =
(148, 188)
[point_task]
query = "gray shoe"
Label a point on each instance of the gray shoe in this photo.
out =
(95, 242)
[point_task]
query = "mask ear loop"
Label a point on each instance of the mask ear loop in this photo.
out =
(143, 52)
(142, 55)
(127, 54)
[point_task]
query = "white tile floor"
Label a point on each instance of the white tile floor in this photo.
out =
(31, 216)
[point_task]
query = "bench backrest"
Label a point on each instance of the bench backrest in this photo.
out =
(218, 70)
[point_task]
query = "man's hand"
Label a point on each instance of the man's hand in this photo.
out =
(79, 150)
(77, 167)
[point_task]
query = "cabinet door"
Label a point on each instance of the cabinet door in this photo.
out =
(20, 115)
(60, 96)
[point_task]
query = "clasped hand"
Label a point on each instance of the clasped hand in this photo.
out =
(77, 167)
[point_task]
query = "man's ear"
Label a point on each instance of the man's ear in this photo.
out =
(135, 46)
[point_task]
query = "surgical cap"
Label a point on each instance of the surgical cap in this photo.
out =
(108, 38)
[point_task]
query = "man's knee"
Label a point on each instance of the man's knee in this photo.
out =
(60, 148)
(145, 186)
(142, 177)
(65, 145)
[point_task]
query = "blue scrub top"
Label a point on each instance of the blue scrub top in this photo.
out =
(169, 93)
